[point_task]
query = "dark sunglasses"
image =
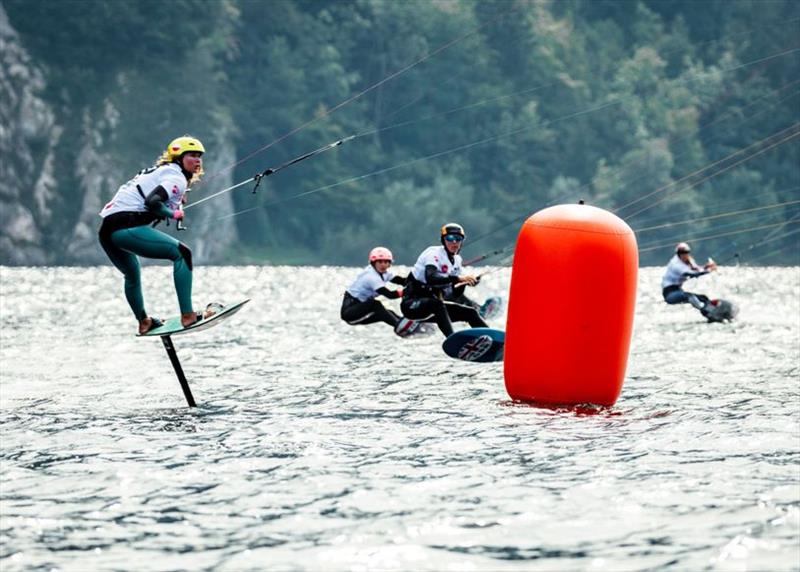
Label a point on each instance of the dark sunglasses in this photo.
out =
(453, 238)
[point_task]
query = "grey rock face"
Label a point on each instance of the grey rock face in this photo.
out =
(27, 137)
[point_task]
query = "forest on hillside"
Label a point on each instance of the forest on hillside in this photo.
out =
(682, 117)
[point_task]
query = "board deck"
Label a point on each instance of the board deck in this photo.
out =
(172, 326)
(476, 344)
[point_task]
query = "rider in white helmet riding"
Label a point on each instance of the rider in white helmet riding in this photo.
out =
(360, 305)
(680, 268)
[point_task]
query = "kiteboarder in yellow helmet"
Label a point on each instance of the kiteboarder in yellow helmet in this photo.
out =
(156, 193)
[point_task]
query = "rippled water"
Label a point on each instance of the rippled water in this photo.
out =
(319, 446)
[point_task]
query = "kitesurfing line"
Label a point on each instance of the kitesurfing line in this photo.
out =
(776, 225)
(709, 237)
(762, 257)
(753, 259)
(587, 186)
(712, 217)
(765, 58)
(686, 210)
(718, 235)
(709, 124)
(715, 216)
(688, 176)
(454, 110)
(665, 225)
(417, 160)
(700, 170)
(735, 224)
(665, 54)
(368, 89)
(257, 178)
(793, 131)
(271, 171)
(773, 235)
(483, 257)
(267, 172)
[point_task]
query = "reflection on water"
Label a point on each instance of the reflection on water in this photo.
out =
(318, 446)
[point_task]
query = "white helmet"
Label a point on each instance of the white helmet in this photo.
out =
(380, 253)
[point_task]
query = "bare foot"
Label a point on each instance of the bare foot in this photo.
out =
(144, 325)
(190, 318)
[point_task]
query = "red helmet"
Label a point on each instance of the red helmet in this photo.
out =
(682, 248)
(380, 253)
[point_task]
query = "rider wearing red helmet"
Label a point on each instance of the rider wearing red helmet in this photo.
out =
(360, 306)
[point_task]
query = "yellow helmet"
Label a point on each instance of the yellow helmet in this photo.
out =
(181, 145)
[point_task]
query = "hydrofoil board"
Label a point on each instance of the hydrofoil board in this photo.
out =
(476, 344)
(172, 326)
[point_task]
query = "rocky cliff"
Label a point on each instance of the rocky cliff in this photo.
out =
(39, 222)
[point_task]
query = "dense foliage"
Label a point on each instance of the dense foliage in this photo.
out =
(637, 107)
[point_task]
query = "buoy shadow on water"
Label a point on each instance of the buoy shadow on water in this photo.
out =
(582, 410)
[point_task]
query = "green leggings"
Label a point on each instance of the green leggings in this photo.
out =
(125, 244)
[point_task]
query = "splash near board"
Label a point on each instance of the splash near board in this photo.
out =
(720, 311)
(476, 344)
(173, 326)
(491, 307)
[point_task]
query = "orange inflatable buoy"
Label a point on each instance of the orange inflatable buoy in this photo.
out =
(570, 308)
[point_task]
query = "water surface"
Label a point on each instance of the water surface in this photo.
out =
(319, 446)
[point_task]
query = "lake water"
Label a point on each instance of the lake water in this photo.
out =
(320, 446)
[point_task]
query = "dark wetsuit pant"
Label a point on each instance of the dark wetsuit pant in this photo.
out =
(443, 313)
(124, 245)
(464, 301)
(356, 313)
(676, 295)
